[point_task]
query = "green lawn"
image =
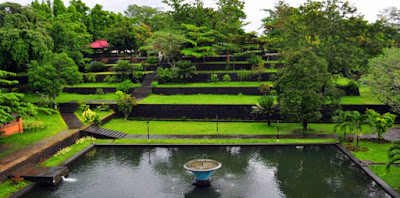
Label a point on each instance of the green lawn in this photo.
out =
(377, 152)
(209, 128)
(6, 189)
(236, 71)
(101, 85)
(14, 142)
(200, 99)
(366, 97)
(217, 84)
(392, 178)
(67, 97)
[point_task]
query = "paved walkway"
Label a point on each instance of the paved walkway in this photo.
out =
(143, 91)
(71, 120)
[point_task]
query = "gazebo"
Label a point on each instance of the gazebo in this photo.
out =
(100, 44)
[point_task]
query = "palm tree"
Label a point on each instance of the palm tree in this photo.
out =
(184, 70)
(356, 123)
(393, 154)
(343, 121)
(265, 106)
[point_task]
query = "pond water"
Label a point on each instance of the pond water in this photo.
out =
(247, 171)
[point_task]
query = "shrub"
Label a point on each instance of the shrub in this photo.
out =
(226, 78)
(110, 79)
(90, 77)
(125, 86)
(134, 60)
(154, 84)
(99, 91)
(95, 66)
(184, 70)
(84, 139)
(126, 104)
(258, 70)
(152, 60)
(214, 78)
(245, 74)
(264, 89)
(45, 101)
(33, 125)
(353, 85)
(91, 117)
(63, 151)
(104, 60)
(255, 60)
(103, 107)
(82, 105)
(123, 66)
(164, 74)
(137, 73)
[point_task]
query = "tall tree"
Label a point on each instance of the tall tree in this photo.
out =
(153, 17)
(304, 86)
(122, 36)
(200, 41)
(97, 22)
(58, 8)
(52, 73)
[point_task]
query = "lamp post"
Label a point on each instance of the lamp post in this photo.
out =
(148, 131)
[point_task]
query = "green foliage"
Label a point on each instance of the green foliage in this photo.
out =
(103, 107)
(123, 66)
(393, 154)
(90, 77)
(353, 85)
(245, 74)
(200, 41)
(91, 117)
(300, 87)
(110, 79)
(167, 43)
(266, 106)
(381, 122)
(226, 78)
(258, 70)
(33, 125)
(155, 84)
(125, 86)
(184, 70)
(126, 104)
(45, 101)
(95, 66)
(122, 36)
(165, 74)
(264, 89)
(153, 17)
(214, 78)
(152, 60)
(82, 106)
(255, 60)
(343, 120)
(99, 91)
(385, 77)
(51, 74)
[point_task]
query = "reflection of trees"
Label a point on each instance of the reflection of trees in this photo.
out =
(209, 192)
(320, 172)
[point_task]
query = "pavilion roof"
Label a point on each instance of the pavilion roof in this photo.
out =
(99, 44)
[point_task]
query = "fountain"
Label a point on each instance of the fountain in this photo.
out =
(202, 169)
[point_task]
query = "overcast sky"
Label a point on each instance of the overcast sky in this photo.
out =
(254, 8)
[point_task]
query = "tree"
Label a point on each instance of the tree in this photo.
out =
(122, 36)
(153, 17)
(184, 70)
(343, 121)
(385, 78)
(97, 22)
(166, 43)
(52, 73)
(10, 102)
(58, 8)
(381, 122)
(393, 154)
(200, 41)
(304, 86)
(357, 122)
(126, 104)
(266, 106)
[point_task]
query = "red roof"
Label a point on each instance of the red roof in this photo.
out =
(99, 44)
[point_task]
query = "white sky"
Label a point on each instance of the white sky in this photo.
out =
(253, 8)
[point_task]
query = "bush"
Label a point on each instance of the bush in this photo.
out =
(184, 70)
(123, 66)
(125, 86)
(103, 107)
(264, 89)
(90, 77)
(245, 74)
(45, 101)
(214, 78)
(82, 105)
(226, 78)
(154, 84)
(104, 60)
(110, 79)
(165, 74)
(353, 85)
(95, 66)
(33, 125)
(152, 60)
(91, 117)
(134, 60)
(99, 91)
(255, 60)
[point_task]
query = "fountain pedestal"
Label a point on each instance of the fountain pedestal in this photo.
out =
(202, 169)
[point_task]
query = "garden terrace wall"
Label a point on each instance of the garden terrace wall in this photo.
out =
(101, 77)
(206, 90)
(206, 77)
(235, 112)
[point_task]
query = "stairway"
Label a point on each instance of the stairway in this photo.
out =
(142, 92)
(102, 133)
(71, 120)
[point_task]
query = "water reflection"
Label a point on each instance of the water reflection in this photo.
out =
(309, 171)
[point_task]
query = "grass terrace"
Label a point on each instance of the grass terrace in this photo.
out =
(100, 85)
(209, 128)
(217, 84)
(68, 97)
(236, 71)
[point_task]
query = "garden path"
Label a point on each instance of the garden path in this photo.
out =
(143, 91)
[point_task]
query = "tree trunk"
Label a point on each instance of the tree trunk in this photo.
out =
(305, 128)
(269, 121)
(126, 116)
(358, 138)
(55, 102)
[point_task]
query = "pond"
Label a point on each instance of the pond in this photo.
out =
(247, 171)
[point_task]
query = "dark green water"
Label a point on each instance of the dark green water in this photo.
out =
(267, 171)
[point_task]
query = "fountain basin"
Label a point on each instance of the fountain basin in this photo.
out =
(202, 169)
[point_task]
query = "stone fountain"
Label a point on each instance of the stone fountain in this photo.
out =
(202, 169)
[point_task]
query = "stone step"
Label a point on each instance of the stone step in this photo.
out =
(104, 133)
